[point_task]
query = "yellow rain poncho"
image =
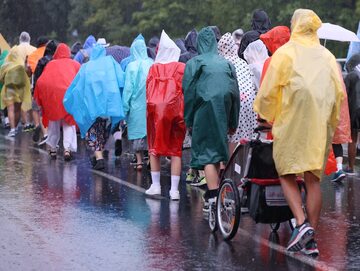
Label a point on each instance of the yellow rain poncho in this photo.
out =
(16, 83)
(301, 94)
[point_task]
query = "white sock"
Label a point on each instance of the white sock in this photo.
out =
(155, 177)
(117, 135)
(339, 166)
(175, 183)
(12, 130)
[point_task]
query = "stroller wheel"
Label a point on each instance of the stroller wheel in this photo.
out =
(228, 209)
(275, 226)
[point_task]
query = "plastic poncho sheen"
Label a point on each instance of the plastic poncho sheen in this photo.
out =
(212, 102)
(53, 83)
(301, 94)
(165, 101)
(95, 91)
(134, 94)
(87, 49)
(34, 57)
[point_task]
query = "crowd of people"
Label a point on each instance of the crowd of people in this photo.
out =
(208, 89)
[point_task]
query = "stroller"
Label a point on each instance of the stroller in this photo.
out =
(250, 183)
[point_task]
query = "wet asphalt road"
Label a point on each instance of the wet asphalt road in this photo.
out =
(64, 216)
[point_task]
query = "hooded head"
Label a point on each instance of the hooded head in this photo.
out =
(206, 42)
(275, 38)
(97, 52)
(227, 46)
(304, 26)
(75, 48)
(153, 42)
(260, 21)
(216, 32)
(62, 51)
(41, 41)
(138, 49)
(24, 37)
(50, 48)
(191, 40)
(168, 51)
(353, 62)
(89, 42)
(237, 36)
(256, 52)
(181, 44)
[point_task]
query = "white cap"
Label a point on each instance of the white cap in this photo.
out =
(102, 42)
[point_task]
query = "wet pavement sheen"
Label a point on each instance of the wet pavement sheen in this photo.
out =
(64, 216)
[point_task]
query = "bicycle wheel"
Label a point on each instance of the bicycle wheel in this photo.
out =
(228, 209)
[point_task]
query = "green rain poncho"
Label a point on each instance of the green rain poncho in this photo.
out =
(212, 102)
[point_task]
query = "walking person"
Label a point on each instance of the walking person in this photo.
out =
(301, 95)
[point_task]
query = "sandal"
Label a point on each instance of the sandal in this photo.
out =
(138, 166)
(52, 154)
(67, 156)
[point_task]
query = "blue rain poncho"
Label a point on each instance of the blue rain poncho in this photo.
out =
(85, 52)
(125, 62)
(134, 94)
(95, 91)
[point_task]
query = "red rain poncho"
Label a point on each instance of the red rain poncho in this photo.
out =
(165, 101)
(53, 83)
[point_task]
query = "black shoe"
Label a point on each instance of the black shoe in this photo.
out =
(93, 161)
(118, 148)
(106, 154)
(36, 135)
(100, 164)
(67, 156)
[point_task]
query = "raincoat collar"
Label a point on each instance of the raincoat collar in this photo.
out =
(304, 26)
(89, 42)
(138, 48)
(168, 51)
(206, 42)
(62, 51)
(191, 40)
(275, 38)
(227, 46)
(256, 52)
(260, 21)
(97, 52)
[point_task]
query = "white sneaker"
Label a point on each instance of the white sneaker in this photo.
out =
(12, 133)
(153, 190)
(174, 195)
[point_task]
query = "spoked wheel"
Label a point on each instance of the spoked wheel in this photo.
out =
(212, 216)
(275, 226)
(228, 209)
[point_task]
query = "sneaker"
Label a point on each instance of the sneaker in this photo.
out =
(300, 237)
(43, 140)
(29, 127)
(67, 155)
(100, 164)
(199, 182)
(12, 133)
(349, 171)
(190, 177)
(36, 135)
(153, 190)
(311, 249)
(174, 195)
(207, 203)
(338, 176)
(118, 148)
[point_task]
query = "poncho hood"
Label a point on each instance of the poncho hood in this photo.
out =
(275, 38)
(181, 44)
(97, 52)
(62, 51)
(227, 46)
(260, 21)
(191, 40)
(216, 31)
(168, 51)
(50, 48)
(304, 26)
(353, 62)
(206, 42)
(138, 49)
(89, 42)
(256, 52)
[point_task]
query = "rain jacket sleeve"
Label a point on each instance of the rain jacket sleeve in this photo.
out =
(235, 107)
(128, 91)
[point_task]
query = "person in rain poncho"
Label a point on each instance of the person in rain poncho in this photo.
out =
(181, 44)
(260, 24)
(247, 117)
(15, 94)
(352, 82)
(256, 55)
(24, 48)
(75, 48)
(125, 62)
(354, 47)
(165, 114)
(212, 105)
(83, 55)
(134, 98)
(190, 45)
(152, 45)
(237, 36)
(301, 94)
(3, 56)
(93, 97)
(49, 94)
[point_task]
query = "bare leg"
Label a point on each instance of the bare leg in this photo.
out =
(352, 149)
(98, 155)
(36, 117)
(155, 163)
(17, 113)
(176, 165)
(313, 198)
(212, 176)
(138, 160)
(232, 147)
(11, 115)
(293, 197)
